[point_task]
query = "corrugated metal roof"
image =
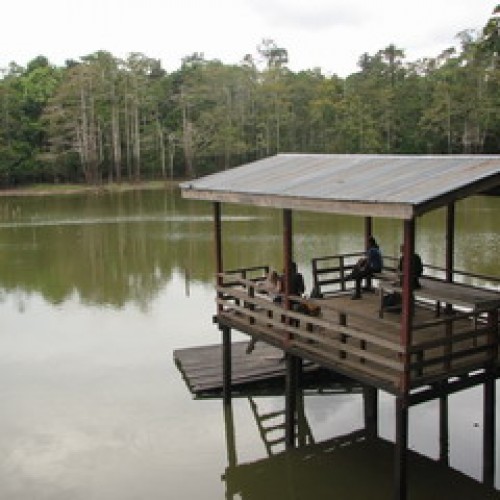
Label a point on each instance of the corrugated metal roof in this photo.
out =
(378, 185)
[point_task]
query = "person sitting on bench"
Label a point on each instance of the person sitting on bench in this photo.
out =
(366, 266)
(271, 286)
(417, 268)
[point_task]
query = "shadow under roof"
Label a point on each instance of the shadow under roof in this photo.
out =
(398, 186)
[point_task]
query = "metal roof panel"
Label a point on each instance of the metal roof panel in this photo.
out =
(361, 182)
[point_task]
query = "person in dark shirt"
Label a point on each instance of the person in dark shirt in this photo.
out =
(416, 266)
(366, 266)
(297, 285)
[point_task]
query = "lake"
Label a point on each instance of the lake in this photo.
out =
(98, 290)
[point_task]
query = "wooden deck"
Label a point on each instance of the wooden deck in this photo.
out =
(202, 366)
(351, 338)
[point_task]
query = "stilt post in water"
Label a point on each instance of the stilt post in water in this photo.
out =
(226, 364)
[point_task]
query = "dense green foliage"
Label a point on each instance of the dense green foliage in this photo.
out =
(102, 118)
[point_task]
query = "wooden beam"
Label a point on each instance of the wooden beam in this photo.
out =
(360, 208)
(478, 187)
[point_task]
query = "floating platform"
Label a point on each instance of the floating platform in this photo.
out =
(201, 366)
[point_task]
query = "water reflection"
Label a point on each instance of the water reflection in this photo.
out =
(356, 465)
(107, 249)
(115, 248)
(97, 291)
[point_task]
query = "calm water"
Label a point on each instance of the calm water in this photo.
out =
(96, 291)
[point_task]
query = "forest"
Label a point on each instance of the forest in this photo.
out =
(104, 119)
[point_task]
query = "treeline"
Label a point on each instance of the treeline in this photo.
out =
(106, 119)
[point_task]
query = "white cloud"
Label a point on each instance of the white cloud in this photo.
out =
(330, 34)
(306, 16)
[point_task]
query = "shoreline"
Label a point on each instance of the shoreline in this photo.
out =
(68, 189)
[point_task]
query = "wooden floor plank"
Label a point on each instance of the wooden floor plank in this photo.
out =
(202, 366)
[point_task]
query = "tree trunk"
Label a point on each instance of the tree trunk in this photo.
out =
(161, 140)
(136, 141)
(115, 140)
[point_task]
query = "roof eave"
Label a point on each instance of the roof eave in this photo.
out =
(487, 186)
(345, 207)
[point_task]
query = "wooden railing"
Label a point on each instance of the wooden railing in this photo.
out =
(445, 346)
(329, 272)
(332, 344)
(454, 344)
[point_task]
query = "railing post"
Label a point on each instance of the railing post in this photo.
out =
(251, 295)
(342, 273)
(315, 274)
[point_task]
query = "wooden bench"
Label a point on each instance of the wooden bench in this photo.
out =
(442, 292)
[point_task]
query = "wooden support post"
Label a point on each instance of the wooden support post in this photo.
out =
(370, 397)
(368, 233)
(407, 301)
(400, 456)
(368, 229)
(218, 246)
(293, 365)
(232, 458)
(304, 434)
(226, 364)
(287, 250)
(489, 431)
(401, 445)
(489, 402)
(450, 263)
(449, 259)
(444, 439)
(450, 241)
(287, 261)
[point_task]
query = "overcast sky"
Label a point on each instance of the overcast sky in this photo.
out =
(329, 34)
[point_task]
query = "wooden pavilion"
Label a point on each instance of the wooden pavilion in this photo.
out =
(443, 339)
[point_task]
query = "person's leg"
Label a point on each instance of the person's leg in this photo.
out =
(358, 278)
